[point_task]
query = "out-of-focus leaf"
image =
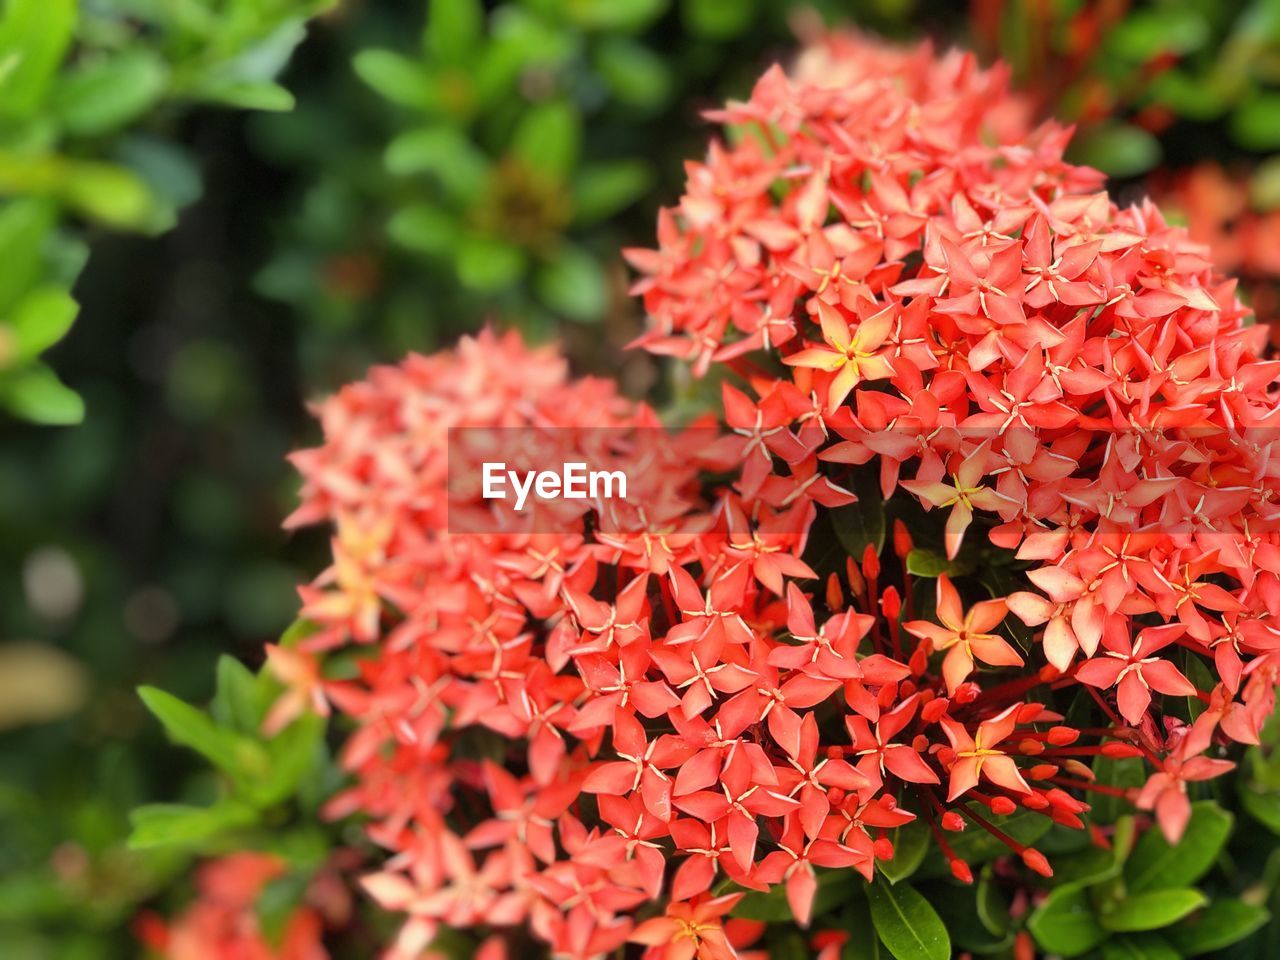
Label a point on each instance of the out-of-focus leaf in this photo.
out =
(1065, 924)
(1117, 149)
(601, 190)
(907, 924)
(1145, 34)
(425, 229)
(36, 394)
(485, 264)
(1223, 922)
(453, 28)
(24, 225)
(717, 18)
(34, 36)
(113, 195)
(39, 321)
(549, 138)
(573, 284)
(396, 77)
(445, 153)
(1156, 865)
(1255, 124)
(1151, 910)
(612, 15)
(1263, 806)
(107, 94)
(1124, 772)
(191, 727)
(635, 74)
(266, 96)
(173, 824)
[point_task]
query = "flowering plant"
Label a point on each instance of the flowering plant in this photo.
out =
(975, 590)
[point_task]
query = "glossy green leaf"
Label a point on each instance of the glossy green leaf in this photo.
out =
(927, 563)
(1157, 865)
(1064, 923)
(910, 844)
(906, 924)
(1151, 910)
(1150, 946)
(1223, 922)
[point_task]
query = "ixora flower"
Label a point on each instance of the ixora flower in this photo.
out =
(612, 738)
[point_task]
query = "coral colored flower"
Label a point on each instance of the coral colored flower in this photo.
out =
(976, 756)
(1135, 670)
(689, 931)
(965, 636)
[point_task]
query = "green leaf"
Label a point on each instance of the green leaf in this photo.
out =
(173, 824)
(861, 524)
(113, 195)
(549, 138)
(39, 321)
(573, 284)
(1117, 149)
(612, 15)
(992, 907)
(926, 563)
(453, 29)
(910, 844)
(36, 394)
(863, 944)
(1219, 925)
(266, 96)
(191, 727)
(485, 264)
(1151, 910)
(906, 924)
(105, 95)
(1156, 865)
(1143, 947)
(975, 846)
(601, 190)
(424, 228)
(444, 152)
(835, 887)
(1262, 804)
(1124, 772)
(1085, 868)
(1065, 924)
(24, 227)
(237, 703)
(395, 77)
(34, 37)
(634, 74)
(716, 18)
(1255, 124)
(959, 907)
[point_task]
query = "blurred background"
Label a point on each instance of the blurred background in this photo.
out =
(252, 200)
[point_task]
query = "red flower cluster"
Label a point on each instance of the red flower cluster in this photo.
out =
(560, 729)
(223, 922)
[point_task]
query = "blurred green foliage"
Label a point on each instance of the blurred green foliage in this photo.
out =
(80, 88)
(445, 163)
